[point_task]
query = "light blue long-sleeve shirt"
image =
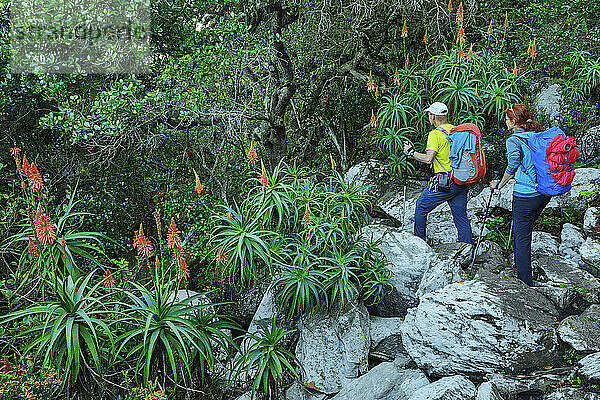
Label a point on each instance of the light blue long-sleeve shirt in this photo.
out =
(520, 164)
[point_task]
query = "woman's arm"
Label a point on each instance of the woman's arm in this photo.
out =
(513, 153)
(495, 184)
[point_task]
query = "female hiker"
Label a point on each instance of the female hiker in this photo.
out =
(527, 202)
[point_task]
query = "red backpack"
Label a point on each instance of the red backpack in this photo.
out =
(468, 165)
(553, 154)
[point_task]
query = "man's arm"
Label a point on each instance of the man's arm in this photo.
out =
(426, 157)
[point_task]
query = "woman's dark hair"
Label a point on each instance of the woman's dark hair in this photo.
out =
(521, 115)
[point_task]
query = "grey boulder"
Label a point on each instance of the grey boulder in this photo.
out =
(488, 391)
(582, 332)
(590, 251)
(589, 368)
(265, 312)
(571, 240)
(537, 381)
(394, 204)
(481, 326)
(300, 392)
(386, 340)
(370, 174)
(501, 198)
(590, 221)
(543, 244)
(449, 388)
(557, 271)
(439, 274)
(387, 381)
(410, 257)
(333, 348)
(585, 180)
(589, 146)
(571, 394)
(548, 101)
(561, 297)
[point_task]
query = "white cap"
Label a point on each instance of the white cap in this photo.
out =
(437, 108)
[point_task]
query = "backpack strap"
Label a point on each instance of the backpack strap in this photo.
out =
(526, 142)
(444, 132)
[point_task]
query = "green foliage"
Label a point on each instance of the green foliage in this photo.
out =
(239, 236)
(300, 289)
(555, 218)
(376, 283)
(313, 252)
(146, 392)
(68, 330)
(70, 250)
(25, 381)
(571, 356)
(342, 282)
(499, 231)
(164, 333)
(267, 362)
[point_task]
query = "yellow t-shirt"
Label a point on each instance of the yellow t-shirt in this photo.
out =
(437, 142)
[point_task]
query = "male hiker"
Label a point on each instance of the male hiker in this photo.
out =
(441, 188)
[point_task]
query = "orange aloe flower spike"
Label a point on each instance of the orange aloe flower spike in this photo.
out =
(404, 30)
(426, 37)
(506, 20)
(264, 179)
(44, 230)
(173, 239)
(198, 188)
(370, 83)
(490, 30)
(333, 171)
(373, 120)
(35, 179)
(450, 7)
(109, 281)
(460, 13)
(33, 252)
(306, 220)
(461, 35)
(252, 156)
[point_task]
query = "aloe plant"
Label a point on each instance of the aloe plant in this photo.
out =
(163, 332)
(238, 234)
(69, 330)
(267, 362)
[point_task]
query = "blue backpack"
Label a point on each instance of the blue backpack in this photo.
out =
(553, 154)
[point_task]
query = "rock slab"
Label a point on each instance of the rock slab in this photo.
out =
(410, 257)
(488, 391)
(589, 368)
(387, 381)
(481, 326)
(582, 332)
(333, 348)
(449, 388)
(571, 394)
(386, 340)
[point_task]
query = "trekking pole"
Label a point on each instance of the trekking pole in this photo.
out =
(509, 234)
(404, 197)
(485, 215)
